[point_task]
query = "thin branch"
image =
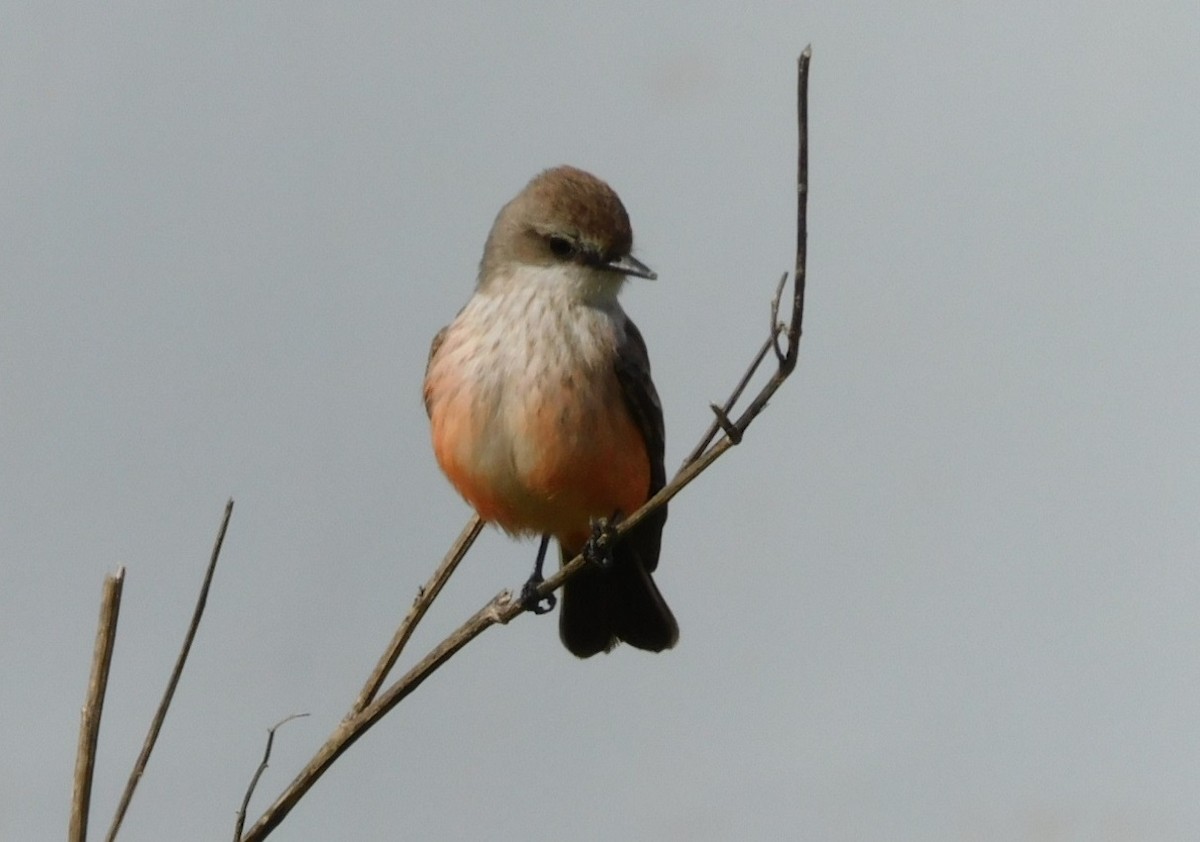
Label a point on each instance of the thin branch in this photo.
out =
(777, 327)
(726, 424)
(425, 598)
(786, 359)
(93, 705)
(716, 425)
(787, 362)
(161, 714)
(262, 767)
(503, 608)
(800, 271)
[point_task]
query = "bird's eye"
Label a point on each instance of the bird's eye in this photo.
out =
(562, 247)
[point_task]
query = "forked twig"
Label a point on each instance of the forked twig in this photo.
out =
(262, 767)
(721, 422)
(502, 608)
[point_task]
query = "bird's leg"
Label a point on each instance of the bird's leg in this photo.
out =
(599, 548)
(529, 595)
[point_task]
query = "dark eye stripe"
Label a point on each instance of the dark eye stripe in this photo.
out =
(562, 247)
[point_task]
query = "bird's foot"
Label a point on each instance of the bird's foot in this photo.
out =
(599, 548)
(530, 599)
(533, 602)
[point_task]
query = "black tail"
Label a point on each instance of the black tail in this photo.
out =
(602, 607)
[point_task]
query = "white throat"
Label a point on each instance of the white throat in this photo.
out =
(570, 281)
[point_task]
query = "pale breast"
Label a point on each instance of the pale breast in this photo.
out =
(528, 418)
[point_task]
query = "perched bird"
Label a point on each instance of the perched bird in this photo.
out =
(542, 410)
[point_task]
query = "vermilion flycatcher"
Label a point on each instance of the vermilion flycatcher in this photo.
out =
(543, 413)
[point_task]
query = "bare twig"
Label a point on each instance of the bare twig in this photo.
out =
(726, 424)
(425, 598)
(262, 767)
(93, 706)
(161, 714)
(721, 420)
(785, 358)
(502, 608)
(777, 327)
(800, 270)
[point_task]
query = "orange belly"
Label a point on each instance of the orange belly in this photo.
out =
(546, 461)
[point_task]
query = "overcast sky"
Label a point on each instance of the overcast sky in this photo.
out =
(947, 589)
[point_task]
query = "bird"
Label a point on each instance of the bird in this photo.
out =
(542, 411)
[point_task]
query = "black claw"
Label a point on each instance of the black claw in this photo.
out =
(599, 548)
(533, 603)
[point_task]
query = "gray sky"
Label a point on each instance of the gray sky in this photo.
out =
(946, 590)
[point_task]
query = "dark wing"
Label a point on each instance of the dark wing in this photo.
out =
(633, 373)
(601, 607)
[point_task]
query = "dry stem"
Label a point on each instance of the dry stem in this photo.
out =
(93, 706)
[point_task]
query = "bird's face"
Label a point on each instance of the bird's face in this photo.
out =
(569, 219)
